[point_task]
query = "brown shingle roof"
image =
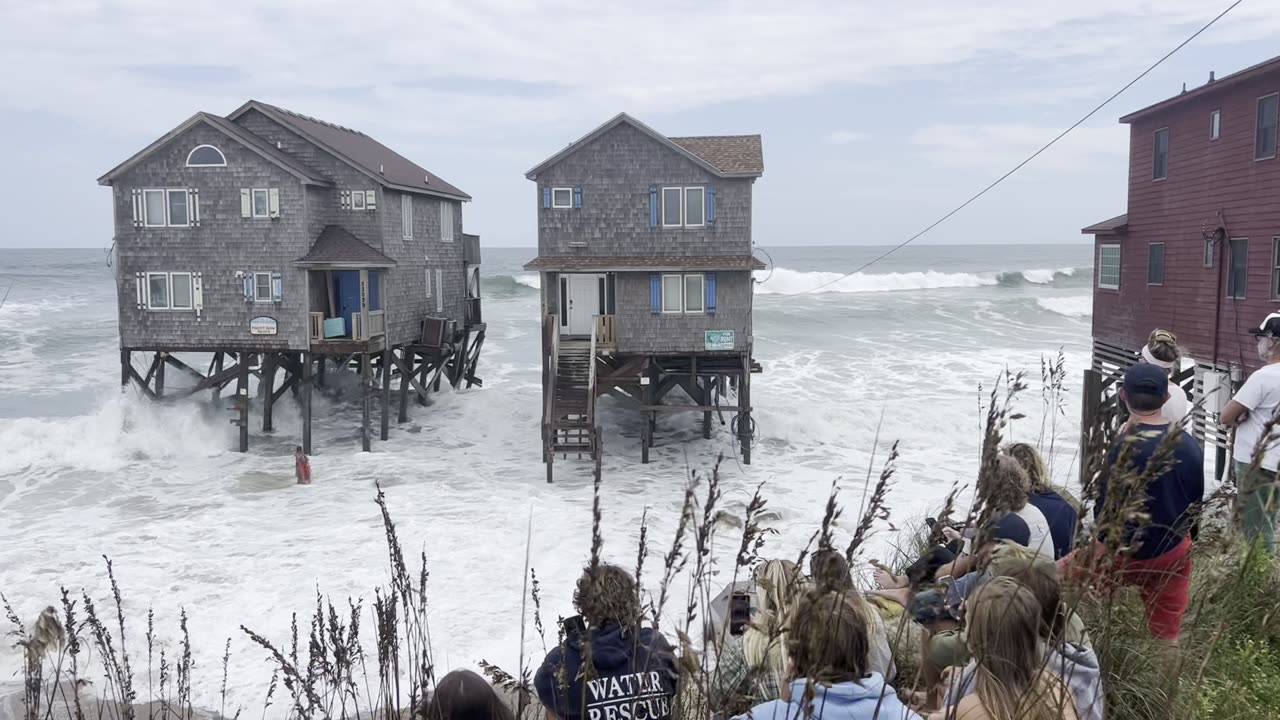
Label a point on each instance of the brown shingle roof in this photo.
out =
(637, 262)
(337, 246)
(1117, 225)
(360, 150)
(1235, 78)
(735, 154)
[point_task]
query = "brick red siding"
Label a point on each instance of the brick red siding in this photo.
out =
(1205, 177)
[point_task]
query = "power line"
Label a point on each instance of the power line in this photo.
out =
(1020, 165)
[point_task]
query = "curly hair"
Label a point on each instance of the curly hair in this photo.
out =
(1164, 346)
(1029, 458)
(1005, 487)
(607, 595)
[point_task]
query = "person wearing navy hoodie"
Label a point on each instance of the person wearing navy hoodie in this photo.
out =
(827, 646)
(1061, 515)
(608, 667)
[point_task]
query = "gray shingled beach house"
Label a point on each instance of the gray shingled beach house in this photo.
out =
(645, 255)
(275, 243)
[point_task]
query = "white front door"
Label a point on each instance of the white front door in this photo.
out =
(582, 300)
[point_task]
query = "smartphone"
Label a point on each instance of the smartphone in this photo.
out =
(574, 625)
(739, 612)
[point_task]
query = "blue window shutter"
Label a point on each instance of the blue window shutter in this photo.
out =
(277, 287)
(577, 197)
(655, 293)
(711, 205)
(248, 286)
(546, 197)
(711, 293)
(653, 206)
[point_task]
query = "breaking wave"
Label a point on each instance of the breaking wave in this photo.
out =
(1073, 306)
(506, 285)
(784, 281)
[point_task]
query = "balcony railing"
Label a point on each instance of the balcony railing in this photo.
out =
(360, 330)
(474, 317)
(375, 327)
(605, 335)
(471, 249)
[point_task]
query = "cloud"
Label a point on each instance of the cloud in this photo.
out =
(999, 147)
(844, 137)
(406, 64)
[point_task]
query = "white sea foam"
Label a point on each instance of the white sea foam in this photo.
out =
(532, 280)
(1073, 306)
(785, 281)
(1044, 277)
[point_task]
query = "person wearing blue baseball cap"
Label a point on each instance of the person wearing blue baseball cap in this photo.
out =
(1256, 452)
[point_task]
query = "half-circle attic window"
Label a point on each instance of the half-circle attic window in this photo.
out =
(206, 156)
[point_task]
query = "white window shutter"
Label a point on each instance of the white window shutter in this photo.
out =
(277, 287)
(369, 200)
(273, 202)
(193, 205)
(137, 208)
(344, 199)
(248, 286)
(439, 290)
(428, 282)
(197, 292)
(140, 286)
(246, 203)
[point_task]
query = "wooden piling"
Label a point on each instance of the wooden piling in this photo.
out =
(321, 362)
(216, 369)
(160, 363)
(126, 362)
(425, 369)
(406, 372)
(744, 414)
(366, 400)
(267, 389)
(1090, 404)
(386, 391)
(242, 400)
(306, 359)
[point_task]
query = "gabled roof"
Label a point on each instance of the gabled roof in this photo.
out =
(362, 152)
(235, 132)
(643, 262)
(724, 156)
(1249, 73)
(1118, 225)
(337, 247)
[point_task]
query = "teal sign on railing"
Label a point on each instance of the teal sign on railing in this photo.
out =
(718, 340)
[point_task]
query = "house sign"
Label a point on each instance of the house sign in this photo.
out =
(262, 325)
(718, 340)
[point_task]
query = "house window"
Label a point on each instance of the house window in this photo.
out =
(158, 291)
(153, 207)
(1275, 268)
(262, 287)
(1238, 269)
(357, 200)
(695, 294)
(180, 291)
(672, 293)
(1155, 264)
(261, 203)
(446, 221)
(671, 211)
(1215, 124)
(1109, 267)
(1264, 147)
(178, 212)
(695, 207)
(562, 197)
(1160, 162)
(166, 208)
(406, 215)
(206, 156)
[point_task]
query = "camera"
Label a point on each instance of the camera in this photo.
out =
(739, 612)
(573, 625)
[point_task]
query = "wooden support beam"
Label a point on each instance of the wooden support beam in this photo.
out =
(321, 363)
(744, 411)
(386, 392)
(692, 408)
(151, 372)
(473, 357)
(306, 402)
(242, 400)
(160, 365)
(366, 400)
(215, 369)
(406, 376)
(267, 389)
(126, 363)
(133, 373)
(217, 382)
(423, 369)
(419, 387)
(646, 418)
(708, 394)
(292, 382)
(179, 365)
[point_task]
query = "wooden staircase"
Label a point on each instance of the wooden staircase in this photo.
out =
(569, 398)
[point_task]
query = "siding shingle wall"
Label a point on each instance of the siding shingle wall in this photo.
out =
(641, 331)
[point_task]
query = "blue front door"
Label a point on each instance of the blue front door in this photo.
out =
(346, 288)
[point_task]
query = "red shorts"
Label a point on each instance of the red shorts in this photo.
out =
(1164, 581)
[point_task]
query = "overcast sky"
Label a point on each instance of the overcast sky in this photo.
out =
(877, 116)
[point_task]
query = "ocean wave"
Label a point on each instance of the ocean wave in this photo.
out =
(1074, 306)
(785, 281)
(512, 284)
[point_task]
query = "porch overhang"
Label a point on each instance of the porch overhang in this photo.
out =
(727, 263)
(336, 248)
(1118, 225)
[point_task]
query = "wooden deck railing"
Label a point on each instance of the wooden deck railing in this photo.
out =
(605, 333)
(591, 379)
(377, 323)
(315, 326)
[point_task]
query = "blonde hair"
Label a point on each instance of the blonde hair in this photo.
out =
(1032, 464)
(829, 640)
(1005, 488)
(1012, 682)
(779, 584)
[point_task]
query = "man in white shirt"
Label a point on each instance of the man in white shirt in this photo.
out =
(1257, 447)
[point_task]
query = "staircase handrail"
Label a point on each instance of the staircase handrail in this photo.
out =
(591, 378)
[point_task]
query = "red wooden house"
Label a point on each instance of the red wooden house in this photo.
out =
(1198, 251)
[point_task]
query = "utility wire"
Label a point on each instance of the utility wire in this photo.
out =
(1020, 165)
